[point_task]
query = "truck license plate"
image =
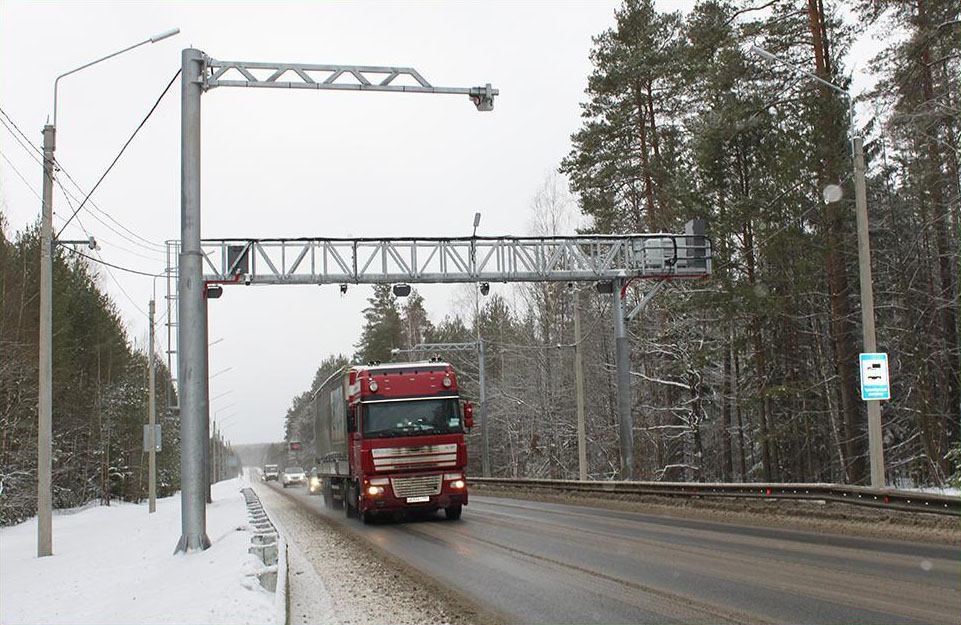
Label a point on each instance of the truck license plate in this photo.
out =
(417, 499)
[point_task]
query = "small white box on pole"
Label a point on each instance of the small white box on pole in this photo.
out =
(158, 443)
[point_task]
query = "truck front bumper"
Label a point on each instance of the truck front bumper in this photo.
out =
(386, 502)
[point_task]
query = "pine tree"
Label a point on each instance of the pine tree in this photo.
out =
(383, 327)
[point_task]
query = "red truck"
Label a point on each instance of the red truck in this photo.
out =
(390, 438)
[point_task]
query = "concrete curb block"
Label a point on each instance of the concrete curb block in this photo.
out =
(270, 547)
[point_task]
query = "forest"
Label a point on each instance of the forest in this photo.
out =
(99, 390)
(751, 375)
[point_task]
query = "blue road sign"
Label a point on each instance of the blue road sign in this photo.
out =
(875, 383)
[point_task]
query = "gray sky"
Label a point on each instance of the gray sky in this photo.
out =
(292, 163)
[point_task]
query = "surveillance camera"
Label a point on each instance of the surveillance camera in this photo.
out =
(246, 279)
(483, 105)
(483, 97)
(485, 288)
(343, 289)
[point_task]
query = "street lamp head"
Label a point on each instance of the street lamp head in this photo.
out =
(476, 219)
(764, 54)
(164, 35)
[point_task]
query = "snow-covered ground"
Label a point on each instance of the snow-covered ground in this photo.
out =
(116, 565)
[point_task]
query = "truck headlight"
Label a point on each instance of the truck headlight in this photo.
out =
(458, 484)
(373, 491)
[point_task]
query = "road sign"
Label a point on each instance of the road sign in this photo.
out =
(875, 383)
(146, 438)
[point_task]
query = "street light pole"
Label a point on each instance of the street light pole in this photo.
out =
(869, 336)
(45, 382)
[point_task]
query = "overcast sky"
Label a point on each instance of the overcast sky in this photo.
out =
(291, 163)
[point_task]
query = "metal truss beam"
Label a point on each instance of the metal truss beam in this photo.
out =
(453, 260)
(335, 77)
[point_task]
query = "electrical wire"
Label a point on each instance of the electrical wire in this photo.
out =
(123, 149)
(118, 267)
(157, 255)
(24, 143)
(27, 145)
(17, 171)
(153, 246)
(25, 138)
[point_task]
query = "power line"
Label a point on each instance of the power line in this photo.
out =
(147, 243)
(17, 134)
(17, 171)
(14, 124)
(25, 142)
(124, 148)
(118, 267)
(157, 255)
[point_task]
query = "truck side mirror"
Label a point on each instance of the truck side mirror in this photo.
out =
(468, 415)
(351, 420)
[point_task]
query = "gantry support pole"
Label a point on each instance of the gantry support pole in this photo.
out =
(192, 358)
(623, 359)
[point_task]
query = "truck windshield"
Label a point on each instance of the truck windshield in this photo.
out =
(412, 418)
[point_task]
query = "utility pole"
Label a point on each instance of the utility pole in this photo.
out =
(152, 419)
(869, 335)
(45, 356)
(579, 390)
(45, 400)
(875, 440)
(485, 441)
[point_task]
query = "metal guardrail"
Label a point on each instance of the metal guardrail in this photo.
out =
(889, 499)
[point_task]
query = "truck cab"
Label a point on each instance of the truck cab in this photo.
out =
(396, 442)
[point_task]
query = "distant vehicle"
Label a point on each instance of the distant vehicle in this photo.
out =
(294, 475)
(271, 472)
(390, 438)
(314, 482)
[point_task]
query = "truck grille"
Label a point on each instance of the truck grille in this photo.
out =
(417, 486)
(394, 458)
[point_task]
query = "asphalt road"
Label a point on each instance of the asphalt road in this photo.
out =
(539, 562)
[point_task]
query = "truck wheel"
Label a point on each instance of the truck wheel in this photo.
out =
(350, 503)
(453, 512)
(328, 494)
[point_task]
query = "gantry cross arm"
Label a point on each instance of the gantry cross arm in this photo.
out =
(452, 260)
(337, 77)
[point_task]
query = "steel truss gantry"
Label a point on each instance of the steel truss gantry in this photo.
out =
(452, 260)
(611, 259)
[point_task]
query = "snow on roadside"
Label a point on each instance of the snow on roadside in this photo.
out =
(116, 565)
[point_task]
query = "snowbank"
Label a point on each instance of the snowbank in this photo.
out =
(116, 565)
